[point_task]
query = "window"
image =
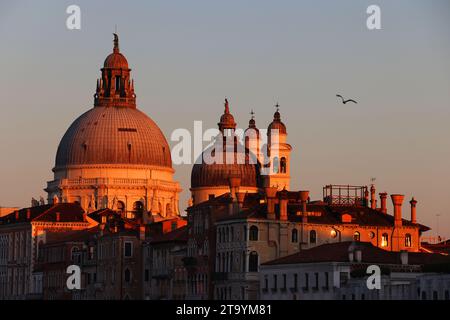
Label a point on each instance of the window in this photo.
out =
(312, 236)
(408, 240)
(266, 283)
(146, 275)
(118, 83)
(283, 165)
(316, 276)
(284, 282)
(446, 295)
(384, 240)
(294, 237)
(295, 282)
(275, 282)
(74, 253)
(306, 281)
(326, 286)
(253, 262)
(138, 207)
(357, 236)
(253, 233)
(128, 249)
(276, 165)
(120, 207)
(127, 275)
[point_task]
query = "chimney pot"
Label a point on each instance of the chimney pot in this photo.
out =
(383, 199)
(397, 200)
(271, 193)
(413, 203)
(304, 198)
(373, 200)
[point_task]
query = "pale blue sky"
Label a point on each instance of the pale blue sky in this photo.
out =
(188, 55)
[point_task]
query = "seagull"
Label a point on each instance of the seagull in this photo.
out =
(345, 101)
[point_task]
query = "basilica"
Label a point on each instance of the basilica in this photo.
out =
(114, 155)
(113, 209)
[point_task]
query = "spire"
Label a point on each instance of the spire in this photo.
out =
(252, 122)
(227, 119)
(227, 108)
(277, 116)
(116, 43)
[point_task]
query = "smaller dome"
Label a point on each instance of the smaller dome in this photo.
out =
(227, 119)
(277, 124)
(116, 60)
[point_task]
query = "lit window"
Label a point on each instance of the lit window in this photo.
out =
(384, 240)
(408, 240)
(312, 236)
(357, 236)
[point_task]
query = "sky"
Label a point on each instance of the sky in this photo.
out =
(187, 56)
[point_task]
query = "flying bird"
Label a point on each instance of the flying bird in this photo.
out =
(345, 101)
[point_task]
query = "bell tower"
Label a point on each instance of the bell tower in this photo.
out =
(279, 154)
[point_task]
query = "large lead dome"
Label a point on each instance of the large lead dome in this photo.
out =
(114, 131)
(113, 135)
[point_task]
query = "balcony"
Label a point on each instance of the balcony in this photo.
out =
(345, 195)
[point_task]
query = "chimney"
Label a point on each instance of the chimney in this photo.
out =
(373, 200)
(366, 197)
(235, 183)
(397, 200)
(271, 193)
(58, 216)
(358, 255)
(383, 198)
(413, 203)
(304, 196)
(404, 257)
(283, 202)
(240, 199)
(142, 233)
(28, 214)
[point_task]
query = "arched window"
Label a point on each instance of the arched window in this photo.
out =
(253, 262)
(312, 236)
(276, 165)
(283, 165)
(138, 207)
(74, 254)
(127, 275)
(384, 240)
(120, 207)
(294, 237)
(357, 236)
(408, 240)
(253, 233)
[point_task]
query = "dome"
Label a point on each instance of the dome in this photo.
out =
(276, 124)
(113, 135)
(218, 174)
(116, 60)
